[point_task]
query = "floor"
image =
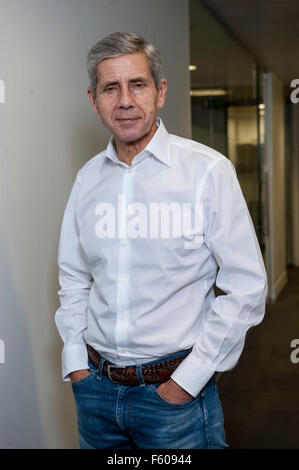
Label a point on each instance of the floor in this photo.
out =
(260, 396)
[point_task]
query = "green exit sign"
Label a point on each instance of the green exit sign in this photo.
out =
(213, 103)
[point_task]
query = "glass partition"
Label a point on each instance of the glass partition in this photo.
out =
(227, 105)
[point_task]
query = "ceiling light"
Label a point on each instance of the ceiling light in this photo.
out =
(212, 92)
(192, 67)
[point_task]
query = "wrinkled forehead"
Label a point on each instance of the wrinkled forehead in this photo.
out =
(125, 67)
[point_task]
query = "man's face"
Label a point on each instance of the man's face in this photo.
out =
(127, 99)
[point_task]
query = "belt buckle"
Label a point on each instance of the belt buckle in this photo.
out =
(116, 367)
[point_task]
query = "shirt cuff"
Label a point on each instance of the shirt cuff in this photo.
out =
(74, 357)
(192, 375)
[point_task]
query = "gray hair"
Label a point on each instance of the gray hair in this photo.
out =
(117, 44)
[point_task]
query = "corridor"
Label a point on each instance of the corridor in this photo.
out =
(260, 395)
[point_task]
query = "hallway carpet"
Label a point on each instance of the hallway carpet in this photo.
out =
(260, 396)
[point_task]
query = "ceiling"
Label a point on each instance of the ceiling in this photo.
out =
(221, 61)
(267, 29)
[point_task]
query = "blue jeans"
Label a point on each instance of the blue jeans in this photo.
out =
(114, 416)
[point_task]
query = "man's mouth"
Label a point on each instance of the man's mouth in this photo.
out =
(127, 120)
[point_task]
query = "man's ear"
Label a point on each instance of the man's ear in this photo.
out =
(162, 93)
(92, 100)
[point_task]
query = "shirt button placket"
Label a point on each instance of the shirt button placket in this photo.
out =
(122, 314)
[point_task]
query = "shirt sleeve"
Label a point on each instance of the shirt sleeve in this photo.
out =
(230, 236)
(75, 281)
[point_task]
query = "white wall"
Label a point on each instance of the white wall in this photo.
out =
(275, 152)
(47, 132)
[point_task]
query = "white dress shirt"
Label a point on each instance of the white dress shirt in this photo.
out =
(137, 287)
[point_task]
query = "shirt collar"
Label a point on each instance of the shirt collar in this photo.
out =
(157, 146)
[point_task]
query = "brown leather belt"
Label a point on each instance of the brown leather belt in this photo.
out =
(127, 375)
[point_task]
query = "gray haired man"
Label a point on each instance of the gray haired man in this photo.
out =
(148, 223)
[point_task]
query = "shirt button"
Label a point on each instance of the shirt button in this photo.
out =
(123, 350)
(130, 170)
(123, 280)
(124, 242)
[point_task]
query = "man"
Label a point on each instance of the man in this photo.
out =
(148, 222)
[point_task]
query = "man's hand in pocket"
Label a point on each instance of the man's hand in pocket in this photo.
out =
(172, 392)
(79, 374)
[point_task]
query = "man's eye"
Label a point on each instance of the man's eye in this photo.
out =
(138, 85)
(110, 89)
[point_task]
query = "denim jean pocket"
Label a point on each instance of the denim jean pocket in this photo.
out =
(155, 392)
(86, 379)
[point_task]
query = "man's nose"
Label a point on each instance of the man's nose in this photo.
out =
(125, 98)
